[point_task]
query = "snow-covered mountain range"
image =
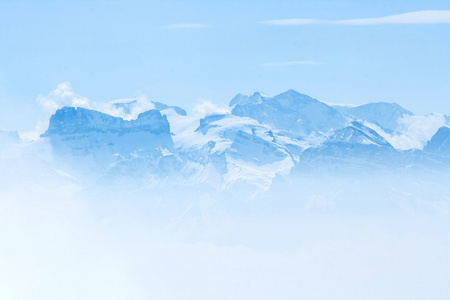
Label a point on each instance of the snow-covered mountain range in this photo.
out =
(261, 138)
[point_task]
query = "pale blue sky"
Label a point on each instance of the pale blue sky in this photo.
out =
(179, 52)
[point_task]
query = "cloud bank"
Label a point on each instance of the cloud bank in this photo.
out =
(417, 17)
(111, 243)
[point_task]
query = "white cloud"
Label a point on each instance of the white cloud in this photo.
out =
(187, 25)
(119, 243)
(414, 131)
(206, 107)
(291, 63)
(62, 96)
(417, 17)
(126, 109)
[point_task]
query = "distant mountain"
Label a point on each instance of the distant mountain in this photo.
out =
(439, 143)
(255, 98)
(289, 111)
(385, 115)
(80, 131)
(263, 138)
(351, 148)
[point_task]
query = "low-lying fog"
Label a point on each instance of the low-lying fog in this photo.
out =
(335, 237)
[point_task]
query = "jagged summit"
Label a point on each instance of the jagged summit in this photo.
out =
(255, 98)
(290, 111)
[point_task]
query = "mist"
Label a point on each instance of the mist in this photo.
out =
(374, 236)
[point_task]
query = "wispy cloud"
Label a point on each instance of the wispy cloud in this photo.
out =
(187, 26)
(205, 107)
(291, 63)
(63, 95)
(417, 17)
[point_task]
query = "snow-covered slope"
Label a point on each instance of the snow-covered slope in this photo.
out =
(354, 147)
(385, 115)
(233, 149)
(356, 133)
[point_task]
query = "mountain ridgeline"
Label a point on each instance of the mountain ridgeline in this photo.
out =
(262, 138)
(290, 111)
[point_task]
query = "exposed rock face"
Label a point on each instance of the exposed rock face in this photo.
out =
(82, 131)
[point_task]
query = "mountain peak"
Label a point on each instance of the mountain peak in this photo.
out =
(292, 97)
(289, 111)
(292, 91)
(255, 98)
